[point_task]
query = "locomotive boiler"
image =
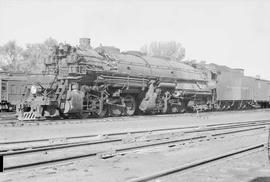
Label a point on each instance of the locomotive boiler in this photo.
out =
(107, 82)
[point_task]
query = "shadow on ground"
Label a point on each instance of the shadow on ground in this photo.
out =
(260, 179)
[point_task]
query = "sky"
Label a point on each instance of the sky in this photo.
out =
(235, 33)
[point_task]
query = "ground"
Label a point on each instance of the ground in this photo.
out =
(254, 166)
(120, 124)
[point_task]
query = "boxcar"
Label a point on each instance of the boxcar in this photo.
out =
(13, 86)
(247, 88)
(237, 91)
(261, 92)
(11, 90)
(229, 85)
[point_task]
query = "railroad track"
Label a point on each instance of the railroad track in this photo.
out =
(200, 163)
(187, 129)
(12, 121)
(168, 139)
(39, 143)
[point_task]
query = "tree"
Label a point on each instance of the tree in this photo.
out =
(29, 60)
(35, 54)
(10, 54)
(169, 49)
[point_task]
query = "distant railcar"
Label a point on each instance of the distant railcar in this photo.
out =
(14, 86)
(11, 91)
(229, 85)
(261, 92)
(247, 88)
(237, 91)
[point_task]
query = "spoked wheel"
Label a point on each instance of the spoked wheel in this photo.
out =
(130, 103)
(165, 108)
(174, 109)
(102, 112)
(83, 115)
(116, 110)
(127, 106)
(165, 102)
(64, 116)
(162, 106)
(98, 109)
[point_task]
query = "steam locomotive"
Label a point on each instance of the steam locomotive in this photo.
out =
(114, 83)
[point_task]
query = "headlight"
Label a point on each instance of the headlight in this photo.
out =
(33, 89)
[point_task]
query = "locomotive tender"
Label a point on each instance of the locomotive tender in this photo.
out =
(236, 91)
(114, 83)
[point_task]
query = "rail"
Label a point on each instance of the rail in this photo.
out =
(197, 163)
(165, 140)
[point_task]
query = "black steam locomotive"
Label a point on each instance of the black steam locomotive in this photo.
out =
(106, 82)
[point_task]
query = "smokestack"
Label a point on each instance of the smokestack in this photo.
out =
(85, 43)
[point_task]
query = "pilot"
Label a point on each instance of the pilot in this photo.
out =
(74, 100)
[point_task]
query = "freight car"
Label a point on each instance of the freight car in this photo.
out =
(237, 91)
(13, 87)
(118, 83)
(106, 82)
